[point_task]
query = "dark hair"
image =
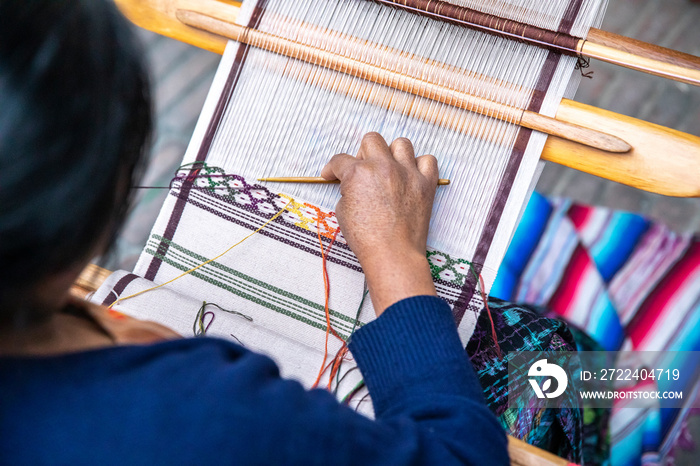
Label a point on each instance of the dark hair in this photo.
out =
(74, 120)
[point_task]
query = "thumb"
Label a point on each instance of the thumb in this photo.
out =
(428, 166)
(337, 167)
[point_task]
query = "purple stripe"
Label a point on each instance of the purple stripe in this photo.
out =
(316, 251)
(567, 22)
(119, 288)
(521, 141)
(221, 105)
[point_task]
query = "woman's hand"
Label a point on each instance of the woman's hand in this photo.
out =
(384, 215)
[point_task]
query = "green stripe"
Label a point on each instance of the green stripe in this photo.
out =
(242, 284)
(255, 281)
(243, 294)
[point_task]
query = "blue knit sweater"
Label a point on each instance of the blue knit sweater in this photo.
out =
(208, 401)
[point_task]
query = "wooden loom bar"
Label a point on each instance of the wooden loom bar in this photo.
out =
(532, 120)
(660, 160)
(640, 56)
(604, 46)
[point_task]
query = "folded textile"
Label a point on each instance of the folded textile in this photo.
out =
(629, 283)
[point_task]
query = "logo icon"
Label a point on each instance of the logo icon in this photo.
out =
(552, 371)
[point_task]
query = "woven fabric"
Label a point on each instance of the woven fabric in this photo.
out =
(275, 278)
(629, 283)
(288, 323)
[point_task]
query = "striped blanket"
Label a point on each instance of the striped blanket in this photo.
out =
(629, 283)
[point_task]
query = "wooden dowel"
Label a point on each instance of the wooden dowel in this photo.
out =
(524, 454)
(605, 46)
(320, 180)
(415, 86)
(640, 56)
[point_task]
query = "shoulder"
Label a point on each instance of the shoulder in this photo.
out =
(164, 397)
(204, 358)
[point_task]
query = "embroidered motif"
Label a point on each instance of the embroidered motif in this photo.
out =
(443, 267)
(309, 217)
(220, 192)
(258, 198)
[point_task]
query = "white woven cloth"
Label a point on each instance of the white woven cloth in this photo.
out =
(275, 277)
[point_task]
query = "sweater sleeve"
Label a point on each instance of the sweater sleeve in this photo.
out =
(413, 350)
(209, 401)
(416, 369)
(428, 403)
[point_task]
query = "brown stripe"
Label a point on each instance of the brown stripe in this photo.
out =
(221, 105)
(559, 41)
(521, 141)
(570, 15)
(119, 288)
(516, 156)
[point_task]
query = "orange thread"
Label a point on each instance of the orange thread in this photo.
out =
(486, 304)
(321, 218)
(327, 289)
(116, 314)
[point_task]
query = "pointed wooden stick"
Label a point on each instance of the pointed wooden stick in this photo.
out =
(320, 180)
(409, 84)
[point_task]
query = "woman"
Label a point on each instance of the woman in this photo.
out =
(81, 385)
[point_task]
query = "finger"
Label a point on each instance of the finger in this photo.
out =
(402, 150)
(337, 167)
(373, 146)
(428, 166)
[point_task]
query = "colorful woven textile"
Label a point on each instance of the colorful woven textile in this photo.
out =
(520, 328)
(627, 282)
(273, 282)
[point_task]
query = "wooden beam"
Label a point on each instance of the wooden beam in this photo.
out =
(597, 139)
(660, 160)
(640, 56)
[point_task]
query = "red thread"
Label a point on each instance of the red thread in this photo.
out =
(191, 177)
(327, 288)
(493, 327)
